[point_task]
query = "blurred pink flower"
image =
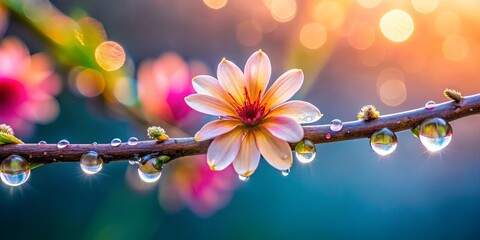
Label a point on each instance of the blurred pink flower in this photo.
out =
(27, 87)
(191, 183)
(163, 83)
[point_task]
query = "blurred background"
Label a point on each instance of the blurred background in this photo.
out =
(90, 71)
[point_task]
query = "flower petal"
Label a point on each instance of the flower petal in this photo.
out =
(209, 85)
(215, 128)
(283, 88)
(276, 152)
(248, 157)
(231, 79)
(209, 105)
(257, 74)
(224, 149)
(284, 128)
(300, 111)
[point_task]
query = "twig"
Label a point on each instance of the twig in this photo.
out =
(180, 147)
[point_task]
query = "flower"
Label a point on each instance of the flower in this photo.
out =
(190, 182)
(163, 83)
(27, 87)
(253, 120)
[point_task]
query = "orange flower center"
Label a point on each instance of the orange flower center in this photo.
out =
(251, 113)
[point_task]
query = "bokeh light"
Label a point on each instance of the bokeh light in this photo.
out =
(313, 35)
(455, 48)
(425, 6)
(123, 91)
(283, 10)
(389, 74)
(361, 36)
(330, 14)
(90, 32)
(413, 61)
(369, 3)
(110, 55)
(215, 4)
(89, 83)
(397, 25)
(372, 56)
(249, 33)
(393, 92)
(447, 23)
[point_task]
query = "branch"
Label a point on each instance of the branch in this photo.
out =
(180, 147)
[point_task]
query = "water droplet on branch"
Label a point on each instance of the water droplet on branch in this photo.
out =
(63, 144)
(383, 141)
(14, 170)
(132, 141)
(243, 178)
(305, 151)
(91, 163)
(115, 142)
(150, 169)
(435, 134)
(42, 143)
(285, 172)
(430, 105)
(336, 125)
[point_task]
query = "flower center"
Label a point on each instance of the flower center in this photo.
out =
(251, 113)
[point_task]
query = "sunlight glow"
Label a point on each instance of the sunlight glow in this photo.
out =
(393, 92)
(369, 3)
(330, 14)
(361, 36)
(283, 10)
(215, 4)
(455, 48)
(447, 23)
(313, 35)
(425, 6)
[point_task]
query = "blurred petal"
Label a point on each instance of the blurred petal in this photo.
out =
(284, 128)
(257, 73)
(276, 152)
(231, 79)
(215, 128)
(300, 111)
(224, 149)
(283, 88)
(208, 105)
(248, 157)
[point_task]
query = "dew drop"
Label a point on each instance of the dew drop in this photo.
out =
(132, 162)
(94, 143)
(383, 141)
(14, 170)
(115, 142)
(63, 144)
(91, 163)
(286, 172)
(243, 178)
(132, 141)
(45, 153)
(328, 136)
(430, 105)
(150, 169)
(336, 125)
(435, 134)
(42, 143)
(305, 151)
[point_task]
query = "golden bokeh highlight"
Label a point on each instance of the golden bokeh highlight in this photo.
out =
(455, 48)
(361, 36)
(249, 33)
(89, 83)
(110, 55)
(397, 25)
(424, 6)
(389, 74)
(283, 10)
(313, 35)
(263, 18)
(393, 92)
(369, 3)
(90, 32)
(447, 23)
(215, 4)
(330, 14)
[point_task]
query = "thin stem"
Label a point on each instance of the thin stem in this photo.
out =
(180, 147)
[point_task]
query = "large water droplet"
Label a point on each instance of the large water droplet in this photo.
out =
(336, 125)
(63, 143)
(42, 143)
(430, 105)
(243, 178)
(150, 169)
(115, 142)
(435, 134)
(91, 163)
(383, 141)
(305, 151)
(14, 170)
(286, 172)
(132, 141)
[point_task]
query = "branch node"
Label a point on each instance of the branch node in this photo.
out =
(452, 94)
(368, 112)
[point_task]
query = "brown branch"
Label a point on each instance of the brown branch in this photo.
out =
(180, 147)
